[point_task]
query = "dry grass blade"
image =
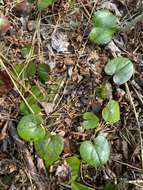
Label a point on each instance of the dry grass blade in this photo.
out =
(15, 85)
(136, 116)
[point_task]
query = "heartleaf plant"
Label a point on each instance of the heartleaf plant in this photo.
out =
(120, 68)
(42, 70)
(111, 112)
(90, 120)
(29, 69)
(30, 129)
(95, 153)
(25, 72)
(49, 148)
(104, 26)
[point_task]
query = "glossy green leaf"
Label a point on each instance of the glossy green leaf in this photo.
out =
(90, 120)
(104, 27)
(29, 128)
(78, 186)
(31, 69)
(100, 35)
(111, 113)
(43, 71)
(50, 148)
(43, 4)
(74, 163)
(105, 19)
(95, 153)
(121, 68)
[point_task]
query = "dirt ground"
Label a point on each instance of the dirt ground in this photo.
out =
(59, 36)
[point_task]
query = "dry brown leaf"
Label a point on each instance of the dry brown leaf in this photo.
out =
(5, 83)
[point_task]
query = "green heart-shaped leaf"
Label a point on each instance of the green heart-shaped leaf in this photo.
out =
(111, 113)
(74, 163)
(43, 4)
(29, 128)
(78, 186)
(31, 69)
(91, 120)
(105, 19)
(97, 153)
(101, 36)
(104, 27)
(121, 68)
(43, 70)
(49, 148)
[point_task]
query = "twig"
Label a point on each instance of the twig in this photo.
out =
(132, 23)
(128, 165)
(138, 95)
(84, 45)
(64, 83)
(136, 116)
(138, 182)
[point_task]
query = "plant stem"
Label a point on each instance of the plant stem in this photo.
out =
(132, 23)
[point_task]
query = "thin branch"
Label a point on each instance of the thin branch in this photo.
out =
(132, 23)
(137, 120)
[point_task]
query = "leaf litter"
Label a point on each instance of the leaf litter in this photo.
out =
(85, 67)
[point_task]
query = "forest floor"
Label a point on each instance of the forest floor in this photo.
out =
(59, 37)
